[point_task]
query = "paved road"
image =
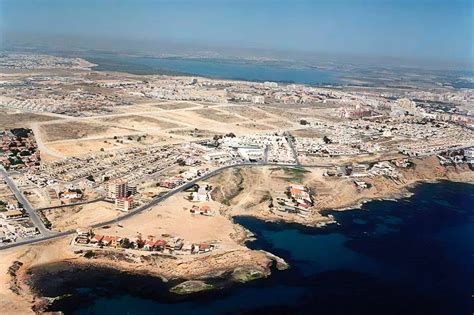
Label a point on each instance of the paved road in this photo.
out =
(26, 205)
(48, 235)
(293, 149)
(37, 239)
(72, 204)
(41, 146)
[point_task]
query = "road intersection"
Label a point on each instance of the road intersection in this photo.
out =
(49, 235)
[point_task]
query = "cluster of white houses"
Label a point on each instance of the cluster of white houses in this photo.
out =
(15, 223)
(178, 180)
(435, 146)
(453, 157)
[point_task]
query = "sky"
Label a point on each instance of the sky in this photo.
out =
(417, 29)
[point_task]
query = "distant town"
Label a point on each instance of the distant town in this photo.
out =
(150, 174)
(144, 139)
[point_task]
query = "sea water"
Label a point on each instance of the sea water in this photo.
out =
(411, 256)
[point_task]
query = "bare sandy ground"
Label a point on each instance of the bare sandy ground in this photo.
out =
(237, 192)
(36, 198)
(79, 130)
(6, 195)
(67, 218)
(162, 123)
(173, 217)
(82, 147)
(15, 294)
(258, 126)
(248, 112)
(159, 105)
(427, 170)
(177, 105)
(247, 191)
(139, 122)
(70, 147)
(9, 120)
(11, 302)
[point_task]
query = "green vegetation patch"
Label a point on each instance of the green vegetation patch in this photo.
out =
(191, 286)
(246, 274)
(294, 174)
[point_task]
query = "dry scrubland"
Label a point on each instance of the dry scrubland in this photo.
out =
(248, 112)
(248, 191)
(173, 106)
(217, 115)
(139, 122)
(83, 216)
(245, 191)
(81, 147)
(257, 126)
(161, 123)
(10, 120)
(17, 297)
(295, 113)
(103, 128)
(92, 146)
(72, 130)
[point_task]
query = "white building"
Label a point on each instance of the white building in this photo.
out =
(202, 194)
(251, 153)
(469, 155)
(117, 189)
(124, 204)
(258, 99)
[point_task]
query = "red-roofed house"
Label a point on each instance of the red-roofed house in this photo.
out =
(96, 239)
(204, 210)
(111, 240)
(154, 245)
(201, 248)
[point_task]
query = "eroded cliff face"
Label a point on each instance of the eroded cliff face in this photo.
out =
(227, 186)
(55, 263)
(247, 191)
(251, 191)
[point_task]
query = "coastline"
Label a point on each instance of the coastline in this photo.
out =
(405, 192)
(425, 171)
(206, 268)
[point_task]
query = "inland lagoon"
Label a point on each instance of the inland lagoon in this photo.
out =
(218, 69)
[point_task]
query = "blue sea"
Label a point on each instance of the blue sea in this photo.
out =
(218, 68)
(412, 256)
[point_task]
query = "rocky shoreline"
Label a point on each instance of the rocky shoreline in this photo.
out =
(50, 284)
(41, 282)
(202, 289)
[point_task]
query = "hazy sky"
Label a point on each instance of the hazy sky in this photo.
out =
(429, 29)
